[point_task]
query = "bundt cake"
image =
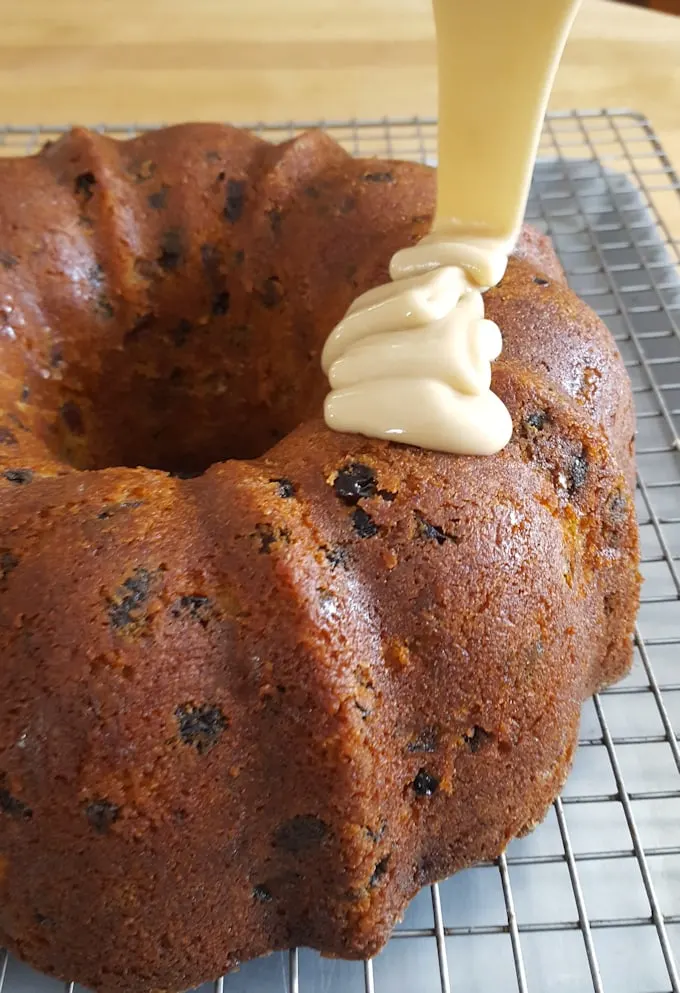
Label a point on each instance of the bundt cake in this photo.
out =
(261, 681)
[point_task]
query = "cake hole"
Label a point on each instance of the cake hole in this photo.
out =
(8, 563)
(262, 894)
(426, 740)
(11, 805)
(8, 261)
(300, 833)
(193, 607)
(379, 177)
(425, 784)
(200, 727)
(477, 738)
(355, 481)
(432, 532)
(285, 488)
(126, 607)
(20, 477)
(235, 200)
(363, 523)
(84, 185)
(379, 871)
(102, 814)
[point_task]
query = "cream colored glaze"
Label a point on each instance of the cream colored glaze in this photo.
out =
(411, 360)
(496, 61)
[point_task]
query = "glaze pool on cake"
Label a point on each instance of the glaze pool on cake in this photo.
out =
(263, 706)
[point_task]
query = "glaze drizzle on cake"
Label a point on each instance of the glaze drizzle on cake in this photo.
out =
(399, 362)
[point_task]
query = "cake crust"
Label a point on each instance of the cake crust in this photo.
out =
(265, 705)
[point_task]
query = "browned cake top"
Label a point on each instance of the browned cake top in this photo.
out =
(168, 303)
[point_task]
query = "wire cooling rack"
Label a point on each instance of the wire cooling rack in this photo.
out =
(591, 900)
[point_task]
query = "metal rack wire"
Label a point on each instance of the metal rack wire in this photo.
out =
(590, 900)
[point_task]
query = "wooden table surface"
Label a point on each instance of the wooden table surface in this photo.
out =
(119, 61)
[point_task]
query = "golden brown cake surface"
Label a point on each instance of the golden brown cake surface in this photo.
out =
(263, 706)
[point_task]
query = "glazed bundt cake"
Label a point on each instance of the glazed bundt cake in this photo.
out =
(259, 690)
